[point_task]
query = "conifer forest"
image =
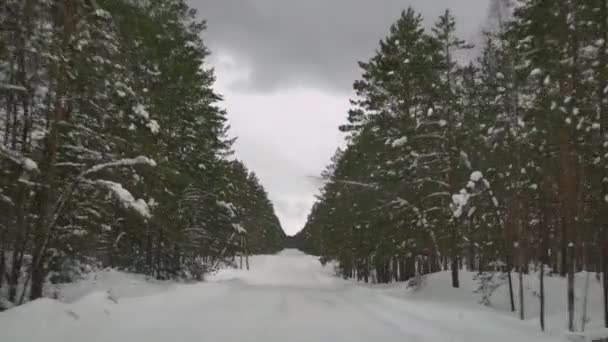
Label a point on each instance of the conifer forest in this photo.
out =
(483, 160)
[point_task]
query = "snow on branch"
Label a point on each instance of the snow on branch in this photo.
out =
(430, 136)
(29, 165)
(153, 126)
(120, 236)
(399, 142)
(476, 185)
(6, 199)
(400, 202)
(26, 163)
(476, 176)
(239, 229)
(430, 180)
(347, 182)
(141, 111)
(365, 185)
(229, 207)
(126, 198)
(438, 194)
(459, 202)
(13, 87)
(11, 155)
(141, 160)
(123, 195)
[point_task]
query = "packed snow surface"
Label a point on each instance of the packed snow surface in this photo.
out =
(286, 297)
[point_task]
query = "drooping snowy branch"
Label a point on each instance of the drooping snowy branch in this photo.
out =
(126, 198)
(26, 163)
(476, 185)
(399, 142)
(67, 193)
(239, 228)
(13, 87)
(119, 163)
(228, 207)
(143, 113)
(365, 185)
(459, 202)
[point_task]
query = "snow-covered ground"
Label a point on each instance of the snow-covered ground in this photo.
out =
(118, 284)
(286, 297)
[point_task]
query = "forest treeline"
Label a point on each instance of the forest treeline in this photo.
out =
(113, 149)
(496, 165)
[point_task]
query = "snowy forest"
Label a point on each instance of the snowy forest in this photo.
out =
(114, 150)
(462, 164)
(496, 165)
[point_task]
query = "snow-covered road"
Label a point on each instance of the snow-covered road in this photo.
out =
(287, 297)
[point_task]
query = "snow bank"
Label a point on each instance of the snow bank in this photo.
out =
(437, 291)
(120, 284)
(102, 316)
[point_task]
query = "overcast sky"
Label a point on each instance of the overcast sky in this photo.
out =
(286, 68)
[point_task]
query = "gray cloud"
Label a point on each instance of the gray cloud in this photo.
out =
(289, 43)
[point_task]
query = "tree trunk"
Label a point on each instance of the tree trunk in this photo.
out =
(16, 265)
(509, 245)
(520, 257)
(395, 266)
(570, 288)
(410, 267)
(38, 275)
(563, 269)
(433, 263)
(605, 274)
(455, 280)
(603, 105)
(402, 270)
(521, 293)
(454, 256)
(45, 196)
(158, 262)
(149, 248)
(568, 191)
(19, 244)
(2, 261)
(542, 296)
(585, 298)
(543, 237)
(246, 254)
(510, 281)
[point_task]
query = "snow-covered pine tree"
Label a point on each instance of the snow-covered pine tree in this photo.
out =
(94, 93)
